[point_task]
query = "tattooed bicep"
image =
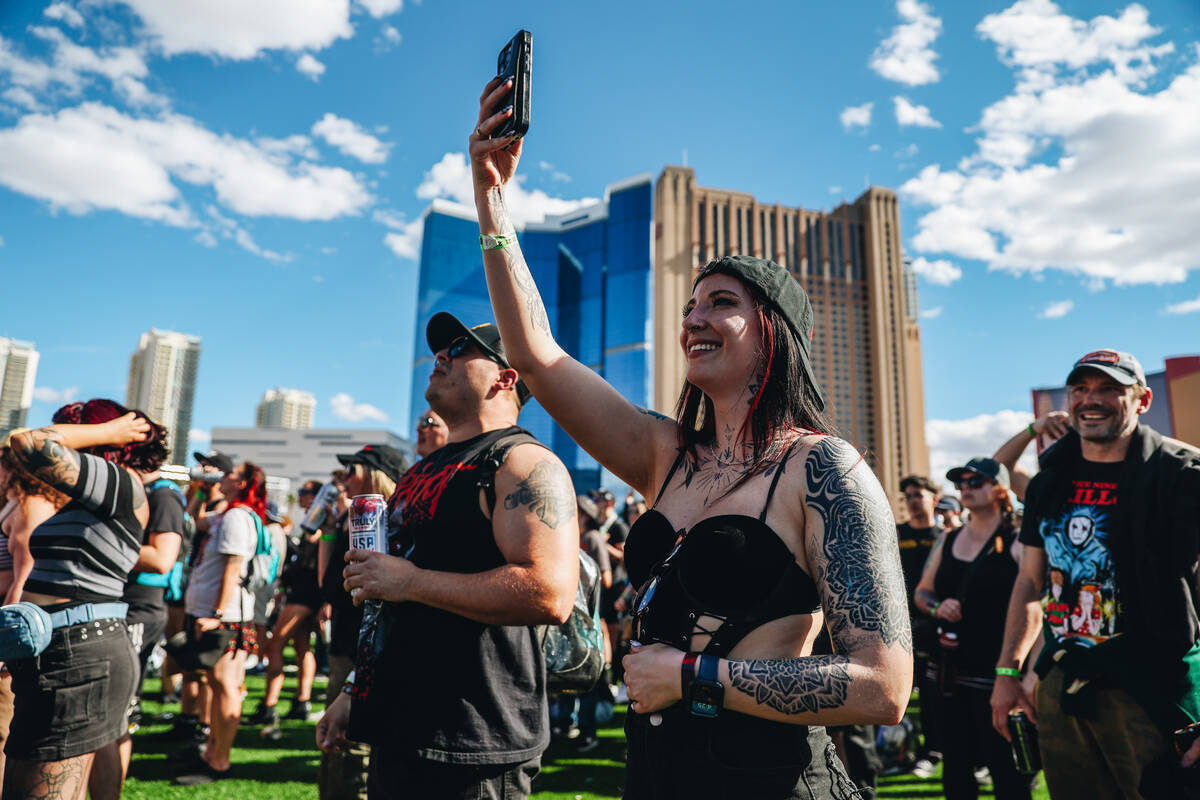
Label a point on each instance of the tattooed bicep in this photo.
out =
(852, 538)
(545, 491)
(43, 454)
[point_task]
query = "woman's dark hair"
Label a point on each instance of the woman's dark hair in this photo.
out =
(785, 398)
(144, 456)
(919, 481)
(254, 496)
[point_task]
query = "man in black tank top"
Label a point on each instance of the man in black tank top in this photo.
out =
(449, 684)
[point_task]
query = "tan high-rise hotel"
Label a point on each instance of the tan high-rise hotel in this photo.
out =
(866, 346)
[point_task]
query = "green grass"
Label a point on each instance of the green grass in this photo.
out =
(287, 769)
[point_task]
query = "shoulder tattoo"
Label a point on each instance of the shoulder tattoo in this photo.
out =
(547, 492)
(858, 565)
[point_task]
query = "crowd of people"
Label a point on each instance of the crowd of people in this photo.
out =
(763, 615)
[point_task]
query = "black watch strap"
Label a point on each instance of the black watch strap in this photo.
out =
(710, 668)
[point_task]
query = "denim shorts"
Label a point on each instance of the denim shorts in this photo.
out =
(74, 698)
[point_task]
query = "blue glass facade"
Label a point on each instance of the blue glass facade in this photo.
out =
(593, 269)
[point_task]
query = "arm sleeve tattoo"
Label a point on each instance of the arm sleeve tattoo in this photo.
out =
(858, 563)
(547, 492)
(44, 456)
(793, 685)
(518, 269)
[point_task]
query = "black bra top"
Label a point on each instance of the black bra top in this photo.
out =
(730, 566)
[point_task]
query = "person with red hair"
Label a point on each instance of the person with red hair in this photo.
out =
(73, 699)
(217, 600)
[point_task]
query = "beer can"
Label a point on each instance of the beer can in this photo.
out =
(1026, 756)
(367, 512)
(315, 517)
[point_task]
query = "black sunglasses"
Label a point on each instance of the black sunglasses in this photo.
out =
(973, 482)
(641, 601)
(426, 422)
(460, 345)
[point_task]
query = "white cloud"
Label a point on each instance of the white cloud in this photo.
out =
(909, 114)
(344, 407)
(21, 97)
(405, 237)
(1057, 310)
(307, 65)
(239, 30)
(952, 442)
(907, 55)
(940, 272)
(835, 190)
(875, 148)
(380, 8)
(64, 13)
(55, 397)
(856, 116)
(391, 34)
(1186, 307)
(908, 152)
(71, 65)
(1080, 168)
(1, 241)
(247, 243)
(451, 178)
(555, 174)
(95, 157)
(931, 313)
(349, 138)
(199, 439)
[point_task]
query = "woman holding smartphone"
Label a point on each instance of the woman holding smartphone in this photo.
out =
(763, 528)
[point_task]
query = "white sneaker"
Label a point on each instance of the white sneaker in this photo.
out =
(923, 768)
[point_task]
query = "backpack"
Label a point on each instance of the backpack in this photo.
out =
(574, 650)
(263, 568)
(173, 580)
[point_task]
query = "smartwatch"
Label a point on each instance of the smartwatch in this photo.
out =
(706, 695)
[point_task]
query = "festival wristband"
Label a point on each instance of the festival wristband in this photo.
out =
(498, 241)
(934, 607)
(687, 671)
(1008, 672)
(328, 537)
(1029, 428)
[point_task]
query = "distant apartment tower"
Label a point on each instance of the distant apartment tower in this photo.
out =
(162, 382)
(866, 346)
(285, 408)
(18, 368)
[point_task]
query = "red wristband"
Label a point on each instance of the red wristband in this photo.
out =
(687, 671)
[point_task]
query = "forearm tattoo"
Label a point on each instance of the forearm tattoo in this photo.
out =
(793, 685)
(548, 493)
(858, 565)
(44, 456)
(514, 262)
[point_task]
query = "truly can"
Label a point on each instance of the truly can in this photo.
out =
(367, 512)
(315, 517)
(1026, 756)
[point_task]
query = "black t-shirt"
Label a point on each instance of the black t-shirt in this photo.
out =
(983, 583)
(1081, 593)
(345, 618)
(915, 545)
(166, 516)
(440, 686)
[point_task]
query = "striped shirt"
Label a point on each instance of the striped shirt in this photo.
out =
(86, 550)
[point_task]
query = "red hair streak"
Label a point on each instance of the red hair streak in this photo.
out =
(769, 336)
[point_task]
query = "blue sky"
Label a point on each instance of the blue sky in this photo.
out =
(254, 173)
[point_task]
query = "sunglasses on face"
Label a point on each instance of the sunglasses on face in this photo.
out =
(463, 344)
(308, 492)
(425, 423)
(973, 482)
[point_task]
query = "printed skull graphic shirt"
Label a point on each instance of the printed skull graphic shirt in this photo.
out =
(1080, 592)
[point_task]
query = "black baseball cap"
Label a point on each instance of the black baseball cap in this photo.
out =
(215, 458)
(444, 328)
(987, 467)
(382, 457)
(785, 295)
(949, 502)
(1121, 367)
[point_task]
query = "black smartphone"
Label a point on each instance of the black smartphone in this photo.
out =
(516, 61)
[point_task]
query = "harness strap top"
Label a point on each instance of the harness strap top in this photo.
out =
(775, 482)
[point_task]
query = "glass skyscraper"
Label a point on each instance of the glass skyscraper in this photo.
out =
(594, 270)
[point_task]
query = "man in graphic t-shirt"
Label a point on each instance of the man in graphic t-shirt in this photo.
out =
(449, 682)
(1112, 535)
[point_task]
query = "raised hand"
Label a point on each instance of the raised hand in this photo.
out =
(493, 161)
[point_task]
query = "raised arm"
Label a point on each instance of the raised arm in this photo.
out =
(49, 454)
(1052, 424)
(536, 529)
(593, 413)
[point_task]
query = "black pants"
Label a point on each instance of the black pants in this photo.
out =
(862, 758)
(925, 671)
(394, 775)
(968, 738)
